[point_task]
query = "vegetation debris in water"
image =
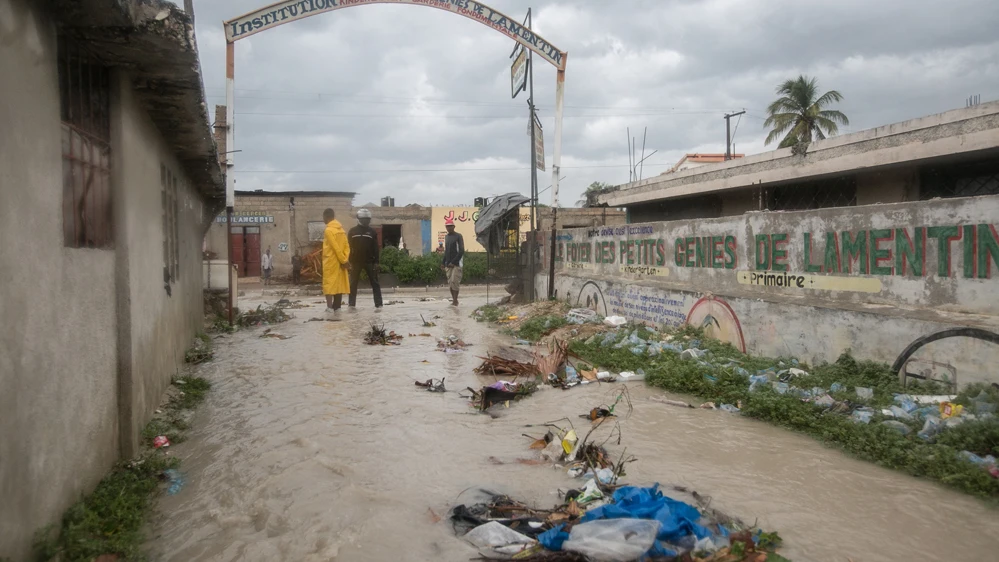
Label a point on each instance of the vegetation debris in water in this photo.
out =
(377, 335)
(269, 315)
(201, 351)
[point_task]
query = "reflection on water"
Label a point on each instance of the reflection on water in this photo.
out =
(320, 448)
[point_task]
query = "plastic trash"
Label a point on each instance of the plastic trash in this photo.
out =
(693, 353)
(837, 387)
(862, 415)
(638, 350)
(615, 321)
(160, 441)
(972, 457)
(757, 381)
(927, 399)
(613, 540)
(710, 545)
(571, 375)
(949, 410)
(729, 408)
(816, 391)
(494, 534)
(628, 376)
(590, 493)
(897, 426)
(795, 372)
(580, 315)
(905, 402)
(606, 476)
(741, 371)
(930, 428)
(176, 480)
(781, 387)
(865, 393)
(603, 375)
(825, 401)
(900, 413)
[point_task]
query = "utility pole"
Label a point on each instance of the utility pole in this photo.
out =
(728, 134)
(532, 111)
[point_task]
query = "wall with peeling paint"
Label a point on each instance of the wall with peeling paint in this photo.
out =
(92, 336)
(58, 346)
(810, 284)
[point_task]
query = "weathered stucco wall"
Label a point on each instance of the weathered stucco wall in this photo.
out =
(58, 346)
(810, 284)
(162, 323)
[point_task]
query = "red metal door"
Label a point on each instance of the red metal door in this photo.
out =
(252, 251)
(236, 234)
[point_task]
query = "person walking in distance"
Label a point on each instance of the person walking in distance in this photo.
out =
(364, 257)
(296, 268)
(267, 263)
(454, 259)
(336, 259)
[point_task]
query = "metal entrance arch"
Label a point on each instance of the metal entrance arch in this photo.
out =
(288, 11)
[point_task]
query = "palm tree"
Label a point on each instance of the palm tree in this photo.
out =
(799, 116)
(589, 196)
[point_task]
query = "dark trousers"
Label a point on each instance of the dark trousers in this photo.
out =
(296, 275)
(355, 276)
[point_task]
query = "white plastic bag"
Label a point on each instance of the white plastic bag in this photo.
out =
(613, 540)
(494, 534)
(615, 321)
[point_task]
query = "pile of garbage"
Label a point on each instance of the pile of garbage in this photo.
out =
(501, 392)
(378, 336)
(286, 304)
(451, 344)
(270, 315)
(432, 385)
(625, 524)
(500, 367)
(200, 352)
(582, 316)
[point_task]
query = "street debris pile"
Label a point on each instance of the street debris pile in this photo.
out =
(501, 392)
(603, 519)
(269, 334)
(499, 367)
(201, 350)
(427, 324)
(432, 385)
(378, 336)
(452, 344)
(925, 428)
(285, 304)
(262, 315)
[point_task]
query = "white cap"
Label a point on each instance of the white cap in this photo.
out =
(363, 214)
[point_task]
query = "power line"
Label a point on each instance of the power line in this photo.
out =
(415, 170)
(405, 116)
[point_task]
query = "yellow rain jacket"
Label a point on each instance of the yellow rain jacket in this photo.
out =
(336, 251)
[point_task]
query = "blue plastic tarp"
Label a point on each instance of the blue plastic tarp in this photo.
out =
(677, 519)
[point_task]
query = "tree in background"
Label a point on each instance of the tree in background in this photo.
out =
(798, 113)
(589, 197)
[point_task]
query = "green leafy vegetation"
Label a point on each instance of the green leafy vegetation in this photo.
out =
(488, 313)
(721, 381)
(536, 328)
(426, 269)
(109, 520)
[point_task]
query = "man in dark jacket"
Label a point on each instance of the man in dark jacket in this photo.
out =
(454, 259)
(364, 257)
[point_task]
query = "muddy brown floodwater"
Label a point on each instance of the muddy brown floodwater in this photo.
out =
(320, 448)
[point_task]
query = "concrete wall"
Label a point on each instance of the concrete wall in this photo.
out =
(92, 338)
(58, 347)
(893, 185)
(161, 324)
(785, 283)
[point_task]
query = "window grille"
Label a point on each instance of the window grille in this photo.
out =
(965, 179)
(85, 107)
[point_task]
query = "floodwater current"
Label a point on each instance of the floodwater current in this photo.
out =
(320, 448)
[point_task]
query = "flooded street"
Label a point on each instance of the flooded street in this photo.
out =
(320, 448)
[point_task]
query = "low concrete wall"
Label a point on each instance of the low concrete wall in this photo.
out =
(809, 284)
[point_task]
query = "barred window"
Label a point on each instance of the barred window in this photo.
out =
(171, 247)
(816, 194)
(964, 179)
(85, 106)
(316, 230)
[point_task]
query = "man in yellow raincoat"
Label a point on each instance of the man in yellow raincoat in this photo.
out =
(336, 253)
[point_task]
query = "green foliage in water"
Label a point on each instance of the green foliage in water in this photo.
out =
(488, 313)
(109, 520)
(426, 269)
(939, 460)
(535, 328)
(194, 390)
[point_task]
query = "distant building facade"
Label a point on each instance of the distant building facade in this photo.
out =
(292, 221)
(109, 181)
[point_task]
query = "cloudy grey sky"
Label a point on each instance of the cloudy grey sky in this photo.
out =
(415, 103)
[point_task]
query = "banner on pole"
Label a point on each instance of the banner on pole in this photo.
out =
(539, 145)
(518, 73)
